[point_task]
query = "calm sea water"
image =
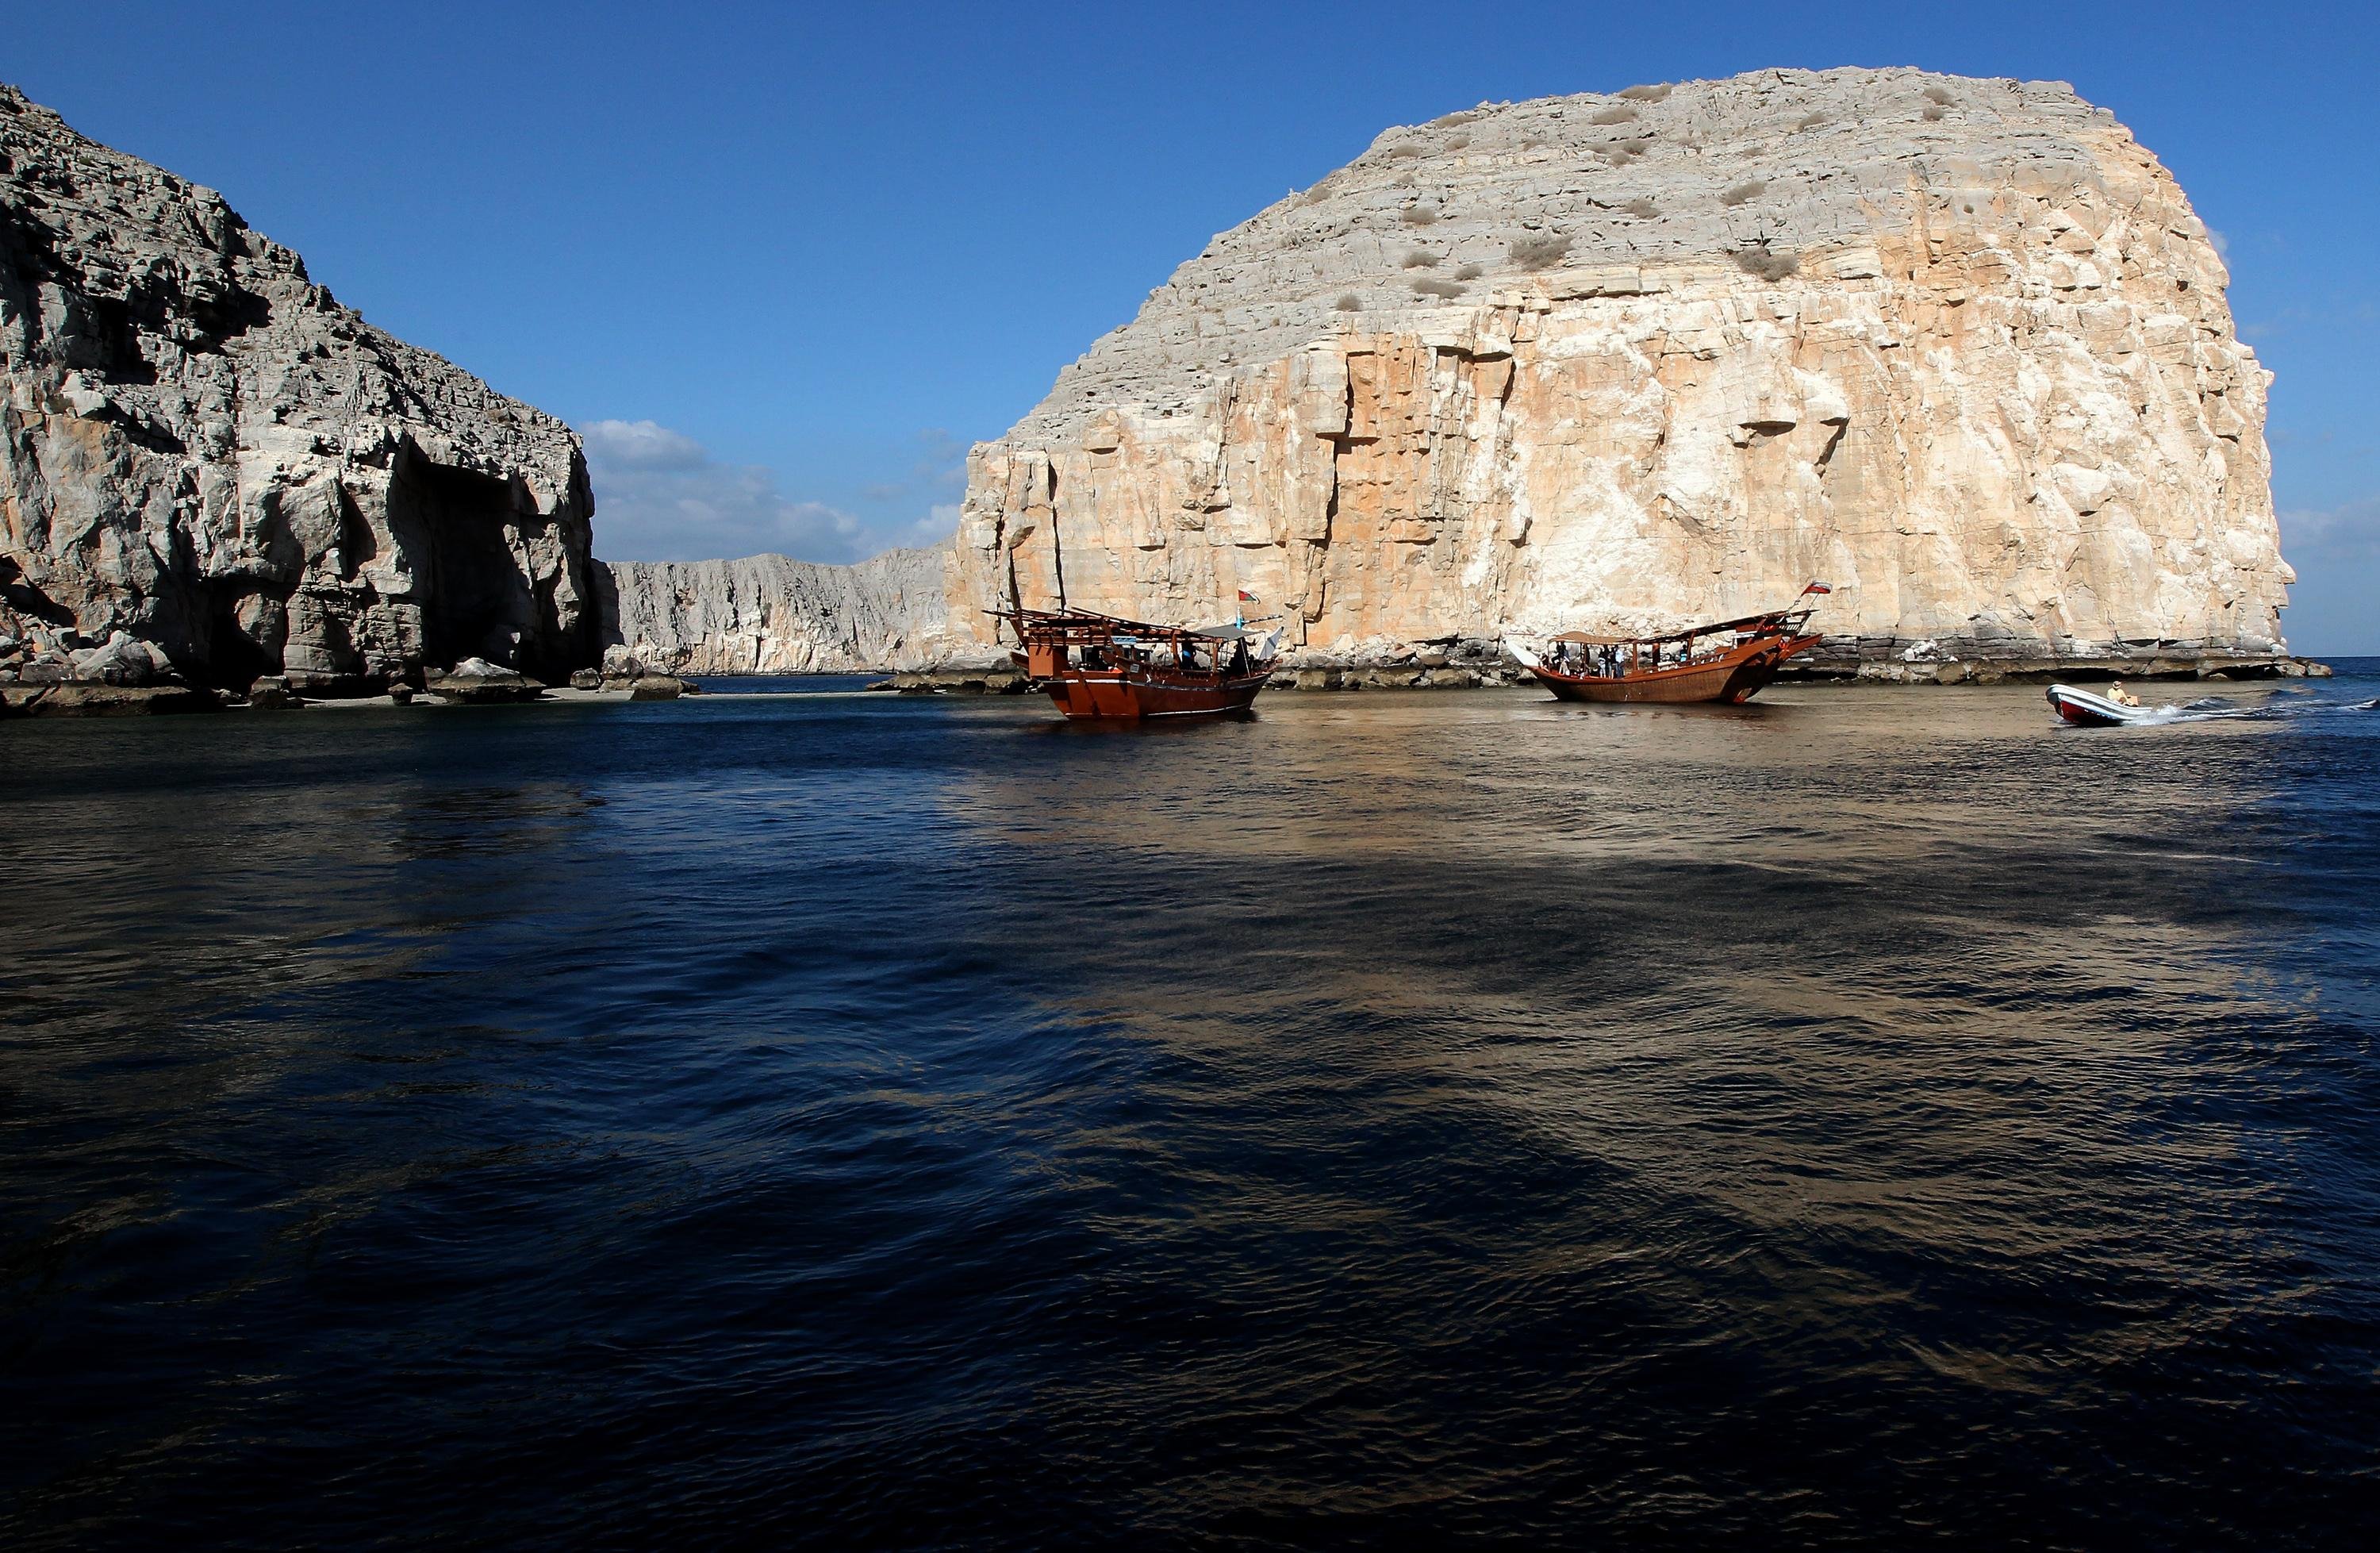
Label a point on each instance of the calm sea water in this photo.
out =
(1867, 1118)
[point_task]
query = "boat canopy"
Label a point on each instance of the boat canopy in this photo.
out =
(1084, 627)
(1776, 619)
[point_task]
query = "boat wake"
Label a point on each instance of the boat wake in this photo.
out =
(2206, 709)
(2303, 701)
(2088, 709)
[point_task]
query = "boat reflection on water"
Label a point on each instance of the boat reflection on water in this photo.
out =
(1821, 985)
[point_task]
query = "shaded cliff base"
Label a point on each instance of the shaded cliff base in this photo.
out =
(1928, 663)
(57, 674)
(1476, 663)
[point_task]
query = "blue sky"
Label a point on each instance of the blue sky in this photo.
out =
(783, 264)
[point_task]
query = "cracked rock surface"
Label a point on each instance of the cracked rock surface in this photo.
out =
(202, 449)
(1959, 347)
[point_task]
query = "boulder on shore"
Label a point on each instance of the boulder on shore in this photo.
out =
(272, 692)
(477, 682)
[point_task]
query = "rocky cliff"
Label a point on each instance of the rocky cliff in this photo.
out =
(203, 453)
(1959, 347)
(769, 615)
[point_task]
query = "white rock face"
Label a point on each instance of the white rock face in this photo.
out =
(205, 450)
(769, 615)
(1958, 347)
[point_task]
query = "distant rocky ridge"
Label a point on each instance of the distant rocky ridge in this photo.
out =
(1624, 361)
(769, 615)
(211, 471)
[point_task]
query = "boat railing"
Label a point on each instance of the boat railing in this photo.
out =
(1050, 636)
(1698, 646)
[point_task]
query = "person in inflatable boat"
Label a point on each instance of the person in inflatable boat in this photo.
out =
(2122, 696)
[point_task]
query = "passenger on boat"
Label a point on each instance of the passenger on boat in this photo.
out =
(2122, 696)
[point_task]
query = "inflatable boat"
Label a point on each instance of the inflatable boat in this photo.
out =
(2097, 711)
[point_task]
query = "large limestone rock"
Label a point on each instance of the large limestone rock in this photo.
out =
(769, 615)
(201, 448)
(1958, 347)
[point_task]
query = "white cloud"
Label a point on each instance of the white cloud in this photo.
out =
(2349, 532)
(2336, 554)
(641, 444)
(661, 496)
(935, 528)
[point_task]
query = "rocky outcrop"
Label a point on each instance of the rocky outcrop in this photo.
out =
(202, 449)
(1958, 347)
(769, 615)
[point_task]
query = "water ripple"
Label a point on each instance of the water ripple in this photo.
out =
(1867, 1118)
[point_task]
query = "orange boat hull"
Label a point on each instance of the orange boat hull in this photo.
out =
(1130, 698)
(1734, 677)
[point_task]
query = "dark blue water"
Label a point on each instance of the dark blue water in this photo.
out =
(1870, 1117)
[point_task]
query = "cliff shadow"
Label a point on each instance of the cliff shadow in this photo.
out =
(478, 604)
(606, 589)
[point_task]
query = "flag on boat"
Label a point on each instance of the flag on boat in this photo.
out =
(1816, 588)
(1248, 597)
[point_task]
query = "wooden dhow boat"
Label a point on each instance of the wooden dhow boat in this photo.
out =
(1100, 667)
(1727, 661)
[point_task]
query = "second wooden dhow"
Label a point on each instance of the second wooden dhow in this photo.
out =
(1726, 661)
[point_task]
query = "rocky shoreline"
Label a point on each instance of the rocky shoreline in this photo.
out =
(118, 680)
(137, 700)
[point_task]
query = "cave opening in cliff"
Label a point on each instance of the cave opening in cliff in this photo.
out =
(477, 604)
(233, 655)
